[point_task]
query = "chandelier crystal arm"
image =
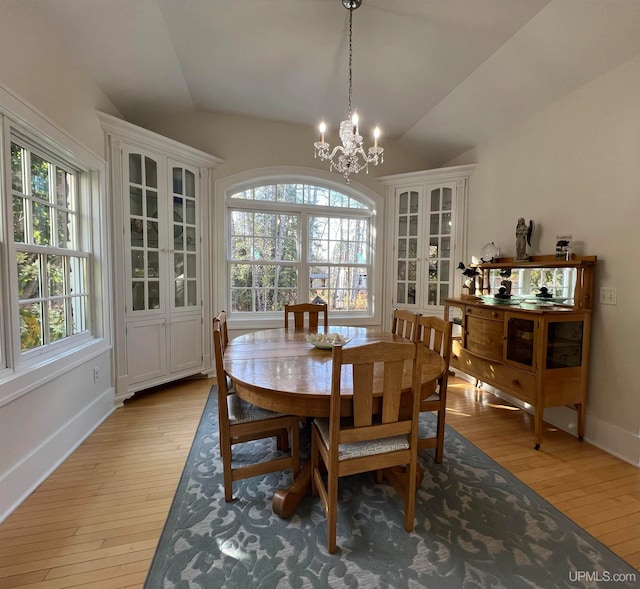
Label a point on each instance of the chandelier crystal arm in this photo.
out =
(350, 157)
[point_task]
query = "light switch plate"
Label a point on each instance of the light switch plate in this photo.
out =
(608, 295)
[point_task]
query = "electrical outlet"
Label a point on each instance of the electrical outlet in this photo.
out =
(96, 374)
(608, 296)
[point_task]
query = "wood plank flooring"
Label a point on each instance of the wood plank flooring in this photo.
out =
(95, 522)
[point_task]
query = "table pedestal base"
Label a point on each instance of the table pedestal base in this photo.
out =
(285, 501)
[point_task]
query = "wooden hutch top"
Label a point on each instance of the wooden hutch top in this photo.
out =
(584, 266)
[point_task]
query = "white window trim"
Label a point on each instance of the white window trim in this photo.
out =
(299, 175)
(32, 370)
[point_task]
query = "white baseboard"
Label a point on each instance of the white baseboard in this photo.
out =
(24, 477)
(606, 436)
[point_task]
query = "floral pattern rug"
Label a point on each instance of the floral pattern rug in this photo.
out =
(476, 526)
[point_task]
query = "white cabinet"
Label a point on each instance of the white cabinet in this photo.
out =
(161, 191)
(425, 224)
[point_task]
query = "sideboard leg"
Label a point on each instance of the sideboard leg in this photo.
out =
(581, 408)
(537, 420)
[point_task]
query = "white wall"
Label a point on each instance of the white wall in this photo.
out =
(246, 144)
(61, 404)
(574, 169)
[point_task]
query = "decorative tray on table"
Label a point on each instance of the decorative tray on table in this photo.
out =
(326, 341)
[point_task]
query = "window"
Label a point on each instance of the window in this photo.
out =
(298, 242)
(54, 307)
(51, 269)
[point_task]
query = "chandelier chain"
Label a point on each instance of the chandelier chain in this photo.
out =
(350, 55)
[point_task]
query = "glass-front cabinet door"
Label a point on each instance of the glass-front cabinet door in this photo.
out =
(439, 254)
(184, 262)
(564, 344)
(144, 232)
(521, 334)
(407, 247)
(424, 234)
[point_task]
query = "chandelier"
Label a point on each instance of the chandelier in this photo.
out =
(350, 157)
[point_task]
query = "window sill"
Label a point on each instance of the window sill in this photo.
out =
(15, 383)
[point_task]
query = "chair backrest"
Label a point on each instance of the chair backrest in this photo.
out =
(366, 361)
(405, 324)
(218, 350)
(435, 334)
(306, 310)
(224, 330)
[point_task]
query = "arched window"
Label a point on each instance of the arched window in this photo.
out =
(298, 240)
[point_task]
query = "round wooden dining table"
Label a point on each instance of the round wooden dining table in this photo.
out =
(278, 369)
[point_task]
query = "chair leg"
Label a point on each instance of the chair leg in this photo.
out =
(315, 455)
(225, 452)
(332, 511)
(440, 437)
(295, 448)
(410, 497)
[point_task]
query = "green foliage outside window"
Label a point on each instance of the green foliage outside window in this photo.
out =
(51, 277)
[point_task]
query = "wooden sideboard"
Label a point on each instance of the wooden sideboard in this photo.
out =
(534, 348)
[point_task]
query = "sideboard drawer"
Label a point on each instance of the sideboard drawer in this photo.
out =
(485, 313)
(517, 383)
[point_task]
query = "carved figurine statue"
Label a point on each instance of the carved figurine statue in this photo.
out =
(524, 233)
(471, 275)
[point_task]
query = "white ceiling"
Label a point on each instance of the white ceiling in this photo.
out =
(440, 75)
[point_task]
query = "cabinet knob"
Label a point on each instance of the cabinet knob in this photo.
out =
(515, 382)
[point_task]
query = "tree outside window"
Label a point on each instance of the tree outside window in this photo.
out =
(293, 243)
(51, 270)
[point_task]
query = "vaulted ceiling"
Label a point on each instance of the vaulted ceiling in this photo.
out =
(440, 75)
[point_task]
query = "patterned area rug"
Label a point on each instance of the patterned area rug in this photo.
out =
(476, 526)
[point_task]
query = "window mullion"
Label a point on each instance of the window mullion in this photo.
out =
(53, 213)
(28, 197)
(45, 294)
(303, 264)
(68, 292)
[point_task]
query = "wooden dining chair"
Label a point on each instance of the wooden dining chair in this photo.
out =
(306, 316)
(405, 324)
(240, 421)
(372, 440)
(435, 333)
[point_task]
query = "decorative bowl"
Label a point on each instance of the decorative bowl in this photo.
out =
(326, 341)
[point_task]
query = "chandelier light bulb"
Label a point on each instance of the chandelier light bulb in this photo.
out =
(322, 127)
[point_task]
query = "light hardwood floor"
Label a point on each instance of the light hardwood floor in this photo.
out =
(94, 523)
